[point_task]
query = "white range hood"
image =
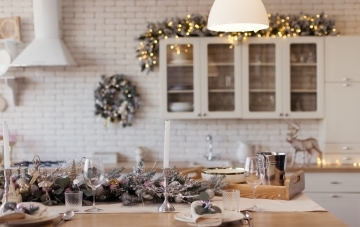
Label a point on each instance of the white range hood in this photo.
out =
(47, 49)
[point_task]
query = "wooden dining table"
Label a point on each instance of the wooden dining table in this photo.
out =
(260, 219)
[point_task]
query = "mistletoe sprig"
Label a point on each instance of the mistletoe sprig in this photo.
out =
(194, 25)
(116, 100)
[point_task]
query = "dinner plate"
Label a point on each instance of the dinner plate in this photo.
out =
(33, 222)
(227, 216)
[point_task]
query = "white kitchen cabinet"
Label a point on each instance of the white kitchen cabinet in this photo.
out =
(342, 59)
(283, 78)
(259, 78)
(341, 126)
(339, 193)
(200, 78)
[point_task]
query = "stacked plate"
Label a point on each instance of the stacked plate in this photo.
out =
(227, 216)
(180, 106)
(234, 175)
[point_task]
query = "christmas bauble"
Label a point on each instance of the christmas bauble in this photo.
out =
(34, 189)
(106, 182)
(178, 198)
(210, 192)
(23, 188)
(99, 190)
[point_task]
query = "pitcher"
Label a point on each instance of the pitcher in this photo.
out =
(245, 150)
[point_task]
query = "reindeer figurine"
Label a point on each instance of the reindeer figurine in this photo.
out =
(308, 146)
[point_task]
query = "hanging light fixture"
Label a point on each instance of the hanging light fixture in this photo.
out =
(237, 16)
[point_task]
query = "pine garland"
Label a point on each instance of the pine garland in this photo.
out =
(194, 25)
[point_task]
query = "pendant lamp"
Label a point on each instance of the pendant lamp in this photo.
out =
(237, 16)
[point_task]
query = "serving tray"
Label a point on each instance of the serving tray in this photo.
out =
(294, 184)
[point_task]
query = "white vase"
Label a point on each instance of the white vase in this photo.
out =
(244, 150)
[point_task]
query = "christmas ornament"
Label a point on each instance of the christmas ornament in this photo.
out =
(210, 192)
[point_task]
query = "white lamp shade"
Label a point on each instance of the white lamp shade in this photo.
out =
(237, 16)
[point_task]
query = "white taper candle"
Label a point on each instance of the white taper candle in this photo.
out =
(6, 146)
(166, 144)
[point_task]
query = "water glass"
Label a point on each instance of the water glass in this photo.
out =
(231, 199)
(73, 200)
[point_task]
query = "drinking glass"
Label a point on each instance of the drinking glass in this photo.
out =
(93, 176)
(254, 175)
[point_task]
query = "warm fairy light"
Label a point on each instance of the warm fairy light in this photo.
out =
(354, 164)
(188, 16)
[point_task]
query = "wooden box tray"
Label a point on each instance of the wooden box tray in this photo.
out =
(294, 184)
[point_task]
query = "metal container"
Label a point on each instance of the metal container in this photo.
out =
(275, 170)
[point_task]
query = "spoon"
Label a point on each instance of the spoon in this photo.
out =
(66, 216)
(248, 217)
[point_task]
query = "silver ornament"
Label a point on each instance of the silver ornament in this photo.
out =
(33, 189)
(210, 192)
(178, 198)
(99, 190)
(106, 182)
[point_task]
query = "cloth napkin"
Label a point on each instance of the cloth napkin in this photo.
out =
(205, 219)
(22, 217)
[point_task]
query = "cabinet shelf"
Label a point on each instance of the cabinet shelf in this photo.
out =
(304, 64)
(180, 91)
(262, 63)
(221, 64)
(190, 64)
(304, 91)
(221, 90)
(262, 90)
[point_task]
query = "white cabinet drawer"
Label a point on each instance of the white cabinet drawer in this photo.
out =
(345, 158)
(342, 147)
(332, 182)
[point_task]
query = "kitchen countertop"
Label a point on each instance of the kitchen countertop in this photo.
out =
(180, 166)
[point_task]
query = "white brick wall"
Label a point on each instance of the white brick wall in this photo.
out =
(54, 116)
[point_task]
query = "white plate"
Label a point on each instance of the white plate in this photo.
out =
(33, 222)
(5, 60)
(228, 216)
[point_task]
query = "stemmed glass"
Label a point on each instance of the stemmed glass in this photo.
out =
(94, 175)
(254, 175)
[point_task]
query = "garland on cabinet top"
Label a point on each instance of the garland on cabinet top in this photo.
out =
(116, 100)
(37, 185)
(195, 25)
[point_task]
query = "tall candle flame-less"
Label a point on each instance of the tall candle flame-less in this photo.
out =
(6, 146)
(166, 144)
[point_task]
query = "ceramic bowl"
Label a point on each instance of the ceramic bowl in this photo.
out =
(234, 175)
(180, 106)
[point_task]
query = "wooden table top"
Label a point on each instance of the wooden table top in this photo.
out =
(260, 219)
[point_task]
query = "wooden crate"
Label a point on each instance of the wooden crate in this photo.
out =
(294, 184)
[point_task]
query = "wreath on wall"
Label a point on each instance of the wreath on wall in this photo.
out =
(195, 25)
(116, 100)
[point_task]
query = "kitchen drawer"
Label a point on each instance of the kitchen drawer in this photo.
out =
(342, 147)
(332, 182)
(344, 206)
(343, 158)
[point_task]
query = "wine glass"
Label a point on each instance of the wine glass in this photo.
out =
(93, 176)
(254, 175)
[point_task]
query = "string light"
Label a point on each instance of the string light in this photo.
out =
(195, 25)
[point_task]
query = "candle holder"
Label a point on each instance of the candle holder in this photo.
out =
(7, 175)
(166, 206)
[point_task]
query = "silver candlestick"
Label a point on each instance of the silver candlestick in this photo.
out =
(166, 206)
(7, 175)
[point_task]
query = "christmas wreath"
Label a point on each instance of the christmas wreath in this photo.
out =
(116, 100)
(193, 25)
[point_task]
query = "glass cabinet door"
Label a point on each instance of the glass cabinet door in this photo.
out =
(220, 87)
(262, 85)
(181, 94)
(305, 86)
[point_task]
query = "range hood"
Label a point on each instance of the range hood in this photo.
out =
(47, 49)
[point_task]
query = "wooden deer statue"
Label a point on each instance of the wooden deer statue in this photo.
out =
(308, 146)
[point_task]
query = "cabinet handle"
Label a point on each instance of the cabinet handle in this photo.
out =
(346, 148)
(286, 115)
(334, 196)
(204, 114)
(199, 114)
(347, 158)
(334, 182)
(281, 115)
(345, 79)
(346, 85)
